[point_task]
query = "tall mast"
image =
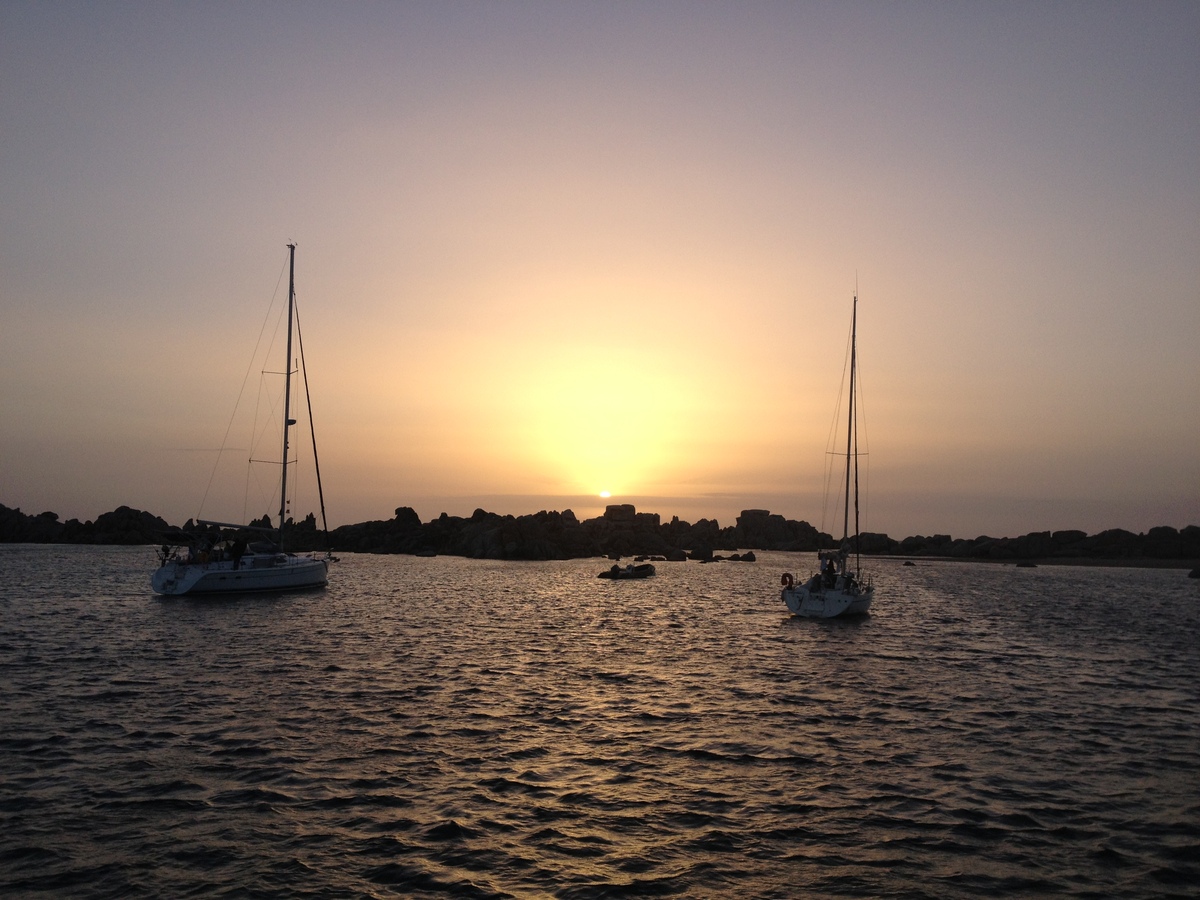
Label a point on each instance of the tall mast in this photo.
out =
(850, 428)
(854, 413)
(288, 421)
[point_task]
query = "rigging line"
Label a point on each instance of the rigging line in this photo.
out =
(242, 390)
(831, 441)
(269, 428)
(257, 437)
(267, 500)
(253, 448)
(311, 429)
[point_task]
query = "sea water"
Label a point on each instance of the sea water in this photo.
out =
(451, 727)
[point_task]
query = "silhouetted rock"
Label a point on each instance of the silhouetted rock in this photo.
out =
(1190, 540)
(761, 529)
(868, 542)
(920, 545)
(121, 526)
(620, 531)
(1067, 538)
(620, 512)
(18, 528)
(128, 526)
(407, 518)
(1036, 545)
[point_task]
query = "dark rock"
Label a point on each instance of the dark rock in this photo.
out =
(123, 525)
(407, 518)
(17, 527)
(874, 543)
(1190, 538)
(1064, 538)
(919, 545)
(128, 526)
(1163, 542)
(1038, 544)
(620, 512)
(761, 529)
(621, 531)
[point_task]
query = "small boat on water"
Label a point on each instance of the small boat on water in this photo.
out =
(204, 567)
(835, 590)
(643, 570)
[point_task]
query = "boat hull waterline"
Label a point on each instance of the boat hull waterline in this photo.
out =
(817, 602)
(268, 572)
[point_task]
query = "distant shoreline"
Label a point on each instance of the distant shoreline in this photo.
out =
(621, 531)
(1080, 561)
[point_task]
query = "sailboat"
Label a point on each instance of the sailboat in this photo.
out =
(835, 590)
(260, 565)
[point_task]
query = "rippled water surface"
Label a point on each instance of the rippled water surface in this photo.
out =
(482, 729)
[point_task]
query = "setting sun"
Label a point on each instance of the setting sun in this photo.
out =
(580, 415)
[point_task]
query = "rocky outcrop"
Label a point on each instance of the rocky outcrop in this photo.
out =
(760, 529)
(121, 526)
(18, 528)
(1159, 543)
(622, 531)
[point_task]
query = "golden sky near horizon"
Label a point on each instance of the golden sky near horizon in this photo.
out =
(549, 250)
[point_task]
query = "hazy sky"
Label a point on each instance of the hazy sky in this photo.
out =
(548, 250)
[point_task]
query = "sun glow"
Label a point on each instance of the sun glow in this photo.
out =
(591, 419)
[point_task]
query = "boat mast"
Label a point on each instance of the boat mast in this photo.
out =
(850, 430)
(288, 421)
(854, 416)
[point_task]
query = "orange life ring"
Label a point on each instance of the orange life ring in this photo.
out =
(786, 581)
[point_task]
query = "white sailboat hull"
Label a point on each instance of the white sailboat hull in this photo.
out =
(257, 572)
(815, 602)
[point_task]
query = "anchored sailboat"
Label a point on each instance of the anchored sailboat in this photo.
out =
(835, 590)
(260, 565)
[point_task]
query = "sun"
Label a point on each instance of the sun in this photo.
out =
(579, 418)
